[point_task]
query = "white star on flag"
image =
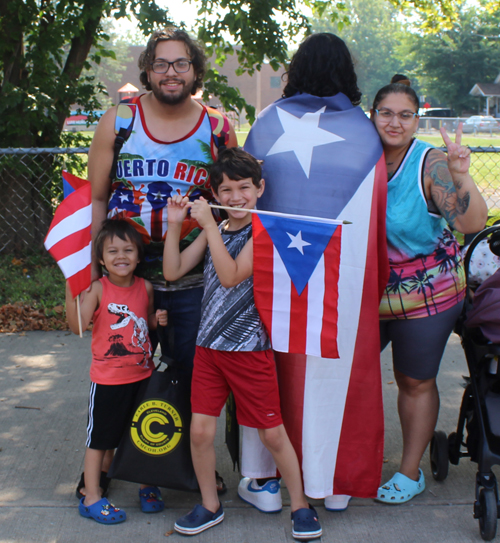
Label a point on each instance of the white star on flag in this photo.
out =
(159, 195)
(301, 136)
(297, 242)
(123, 198)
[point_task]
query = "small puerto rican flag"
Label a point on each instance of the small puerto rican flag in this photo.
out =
(295, 263)
(71, 183)
(69, 239)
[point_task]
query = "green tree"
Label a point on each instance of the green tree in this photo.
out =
(47, 48)
(449, 62)
(47, 44)
(110, 67)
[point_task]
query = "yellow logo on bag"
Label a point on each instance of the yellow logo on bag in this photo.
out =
(156, 428)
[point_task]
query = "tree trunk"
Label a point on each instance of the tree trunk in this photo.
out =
(80, 48)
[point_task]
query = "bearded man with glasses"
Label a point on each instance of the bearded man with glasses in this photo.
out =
(172, 140)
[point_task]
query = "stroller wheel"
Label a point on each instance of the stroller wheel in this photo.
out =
(487, 513)
(439, 456)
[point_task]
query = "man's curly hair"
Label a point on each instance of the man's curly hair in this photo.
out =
(322, 66)
(195, 50)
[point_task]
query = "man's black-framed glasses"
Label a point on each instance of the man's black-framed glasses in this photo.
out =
(181, 66)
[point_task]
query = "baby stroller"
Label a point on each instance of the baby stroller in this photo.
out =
(478, 430)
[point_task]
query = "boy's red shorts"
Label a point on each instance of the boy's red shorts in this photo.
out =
(251, 375)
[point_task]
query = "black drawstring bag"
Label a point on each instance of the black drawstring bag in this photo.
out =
(156, 450)
(232, 431)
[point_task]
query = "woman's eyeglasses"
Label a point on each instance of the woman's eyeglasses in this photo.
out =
(386, 116)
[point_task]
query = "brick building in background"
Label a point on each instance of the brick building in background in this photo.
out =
(259, 90)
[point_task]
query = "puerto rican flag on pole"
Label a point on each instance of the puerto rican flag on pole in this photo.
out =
(71, 183)
(69, 240)
(323, 158)
(296, 262)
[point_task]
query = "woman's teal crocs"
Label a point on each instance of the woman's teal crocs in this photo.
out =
(400, 489)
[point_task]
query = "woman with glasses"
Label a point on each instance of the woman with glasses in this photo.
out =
(429, 194)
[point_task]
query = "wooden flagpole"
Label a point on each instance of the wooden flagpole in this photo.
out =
(285, 215)
(79, 315)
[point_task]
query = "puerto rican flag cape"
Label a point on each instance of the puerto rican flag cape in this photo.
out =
(323, 157)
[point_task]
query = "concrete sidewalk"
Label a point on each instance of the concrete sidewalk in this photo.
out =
(43, 400)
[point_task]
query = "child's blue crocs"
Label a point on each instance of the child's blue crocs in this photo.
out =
(151, 500)
(305, 524)
(401, 489)
(102, 512)
(198, 520)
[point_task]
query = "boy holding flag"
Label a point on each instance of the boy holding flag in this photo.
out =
(233, 350)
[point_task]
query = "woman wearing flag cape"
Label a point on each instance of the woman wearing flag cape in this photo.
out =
(323, 158)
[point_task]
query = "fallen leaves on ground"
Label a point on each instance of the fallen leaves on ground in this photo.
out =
(19, 317)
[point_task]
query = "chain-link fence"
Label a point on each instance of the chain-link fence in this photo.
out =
(31, 188)
(485, 170)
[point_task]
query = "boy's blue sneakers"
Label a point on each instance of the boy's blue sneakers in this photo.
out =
(265, 498)
(305, 524)
(198, 520)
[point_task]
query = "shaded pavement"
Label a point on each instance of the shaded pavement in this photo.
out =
(43, 400)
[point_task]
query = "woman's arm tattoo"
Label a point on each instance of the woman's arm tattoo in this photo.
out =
(444, 192)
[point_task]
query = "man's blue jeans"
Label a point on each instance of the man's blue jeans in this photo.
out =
(178, 338)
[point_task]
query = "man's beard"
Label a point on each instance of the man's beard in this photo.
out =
(170, 98)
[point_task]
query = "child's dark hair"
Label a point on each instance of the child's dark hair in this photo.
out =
(123, 230)
(237, 164)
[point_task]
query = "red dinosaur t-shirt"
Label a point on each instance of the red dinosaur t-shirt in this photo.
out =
(121, 349)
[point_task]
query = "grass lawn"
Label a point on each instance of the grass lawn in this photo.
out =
(35, 279)
(485, 167)
(471, 141)
(31, 294)
(242, 134)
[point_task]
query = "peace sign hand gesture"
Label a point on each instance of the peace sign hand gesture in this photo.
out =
(458, 155)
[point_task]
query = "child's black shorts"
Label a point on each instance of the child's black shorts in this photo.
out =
(110, 410)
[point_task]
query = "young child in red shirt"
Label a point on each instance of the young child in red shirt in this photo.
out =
(121, 308)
